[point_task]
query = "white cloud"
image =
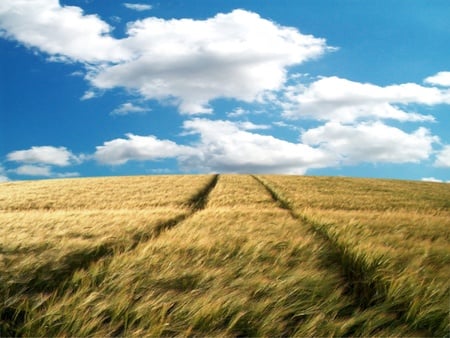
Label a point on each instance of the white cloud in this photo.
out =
(183, 61)
(138, 7)
(371, 142)
(443, 158)
(342, 100)
(431, 179)
(223, 146)
(138, 148)
(283, 124)
(64, 32)
(226, 146)
(42, 171)
(66, 175)
(191, 62)
(441, 79)
(33, 170)
(88, 95)
(247, 125)
(44, 155)
(129, 108)
(239, 111)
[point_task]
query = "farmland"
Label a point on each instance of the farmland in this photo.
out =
(224, 255)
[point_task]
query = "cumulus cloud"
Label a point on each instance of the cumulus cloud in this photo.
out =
(138, 148)
(187, 62)
(129, 108)
(342, 100)
(443, 158)
(46, 155)
(64, 32)
(440, 79)
(33, 170)
(223, 146)
(371, 142)
(138, 7)
(226, 146)
(191, 62)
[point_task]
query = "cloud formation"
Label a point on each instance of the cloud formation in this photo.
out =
(342, 100)
(33, 170)
(440, 79)
(137, 148)
(233, 147)
(41, 171)
(371, 142)
(129, 108)
(48, 155)
(225, 146)
(187, 62)
(63, 32)
(138, 7)
(443, 158)
(237, 55)
(433, 179)
(191, 61)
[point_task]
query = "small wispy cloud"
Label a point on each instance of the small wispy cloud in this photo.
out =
(239, 111)
(41, 171)
(433, 179)
(138, 7)
(88, 95)
(129, 108)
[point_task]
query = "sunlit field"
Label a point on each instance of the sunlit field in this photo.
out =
(393, 237)
(224, 255)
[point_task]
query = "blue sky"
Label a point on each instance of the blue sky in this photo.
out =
(348, 88)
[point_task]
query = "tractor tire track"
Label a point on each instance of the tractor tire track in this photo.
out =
(364, 283)
(47, 279)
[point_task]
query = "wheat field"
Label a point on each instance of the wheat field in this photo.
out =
(224, 255)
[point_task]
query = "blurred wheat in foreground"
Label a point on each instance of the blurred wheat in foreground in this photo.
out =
(228, 255)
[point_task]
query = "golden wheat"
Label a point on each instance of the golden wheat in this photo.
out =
(403, 252)
(89, 257)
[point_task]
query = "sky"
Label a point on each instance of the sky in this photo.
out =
(324, 87)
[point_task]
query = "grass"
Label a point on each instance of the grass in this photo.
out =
(237, 256)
